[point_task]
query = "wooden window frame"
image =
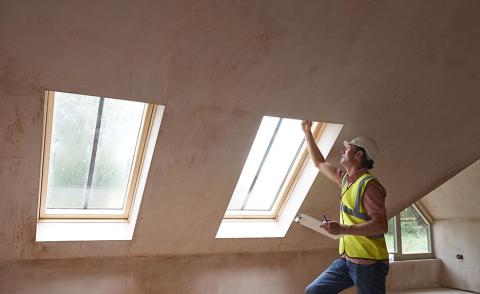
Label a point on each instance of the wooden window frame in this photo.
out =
(145, 130)
(292, 178)
(397, 236)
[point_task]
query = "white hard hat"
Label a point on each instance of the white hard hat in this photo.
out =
(366, 143)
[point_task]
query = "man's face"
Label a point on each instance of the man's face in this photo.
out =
(349, 155)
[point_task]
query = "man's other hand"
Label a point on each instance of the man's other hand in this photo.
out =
(332, 227)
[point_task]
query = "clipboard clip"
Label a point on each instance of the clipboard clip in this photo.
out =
(298, 217)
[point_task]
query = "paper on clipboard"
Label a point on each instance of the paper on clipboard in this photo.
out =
(314, 224)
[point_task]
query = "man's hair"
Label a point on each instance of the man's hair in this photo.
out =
(366, 162)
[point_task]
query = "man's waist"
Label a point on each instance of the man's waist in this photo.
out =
(362, 261)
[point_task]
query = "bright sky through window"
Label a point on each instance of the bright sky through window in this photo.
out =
(93, 144)
(271, 159)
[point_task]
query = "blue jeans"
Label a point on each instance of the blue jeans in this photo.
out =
(343, 274)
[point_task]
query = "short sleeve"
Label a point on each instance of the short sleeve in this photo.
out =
(374, 198)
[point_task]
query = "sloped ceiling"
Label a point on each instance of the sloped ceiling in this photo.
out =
(405, 72)
(458, 198)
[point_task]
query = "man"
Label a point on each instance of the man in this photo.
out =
(363, 252)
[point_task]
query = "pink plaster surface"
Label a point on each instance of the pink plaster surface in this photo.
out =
(406, 73)
(455, 207)
(456, 199)
(281, 272)
(414, 274)
(287, 273)
(454, 237)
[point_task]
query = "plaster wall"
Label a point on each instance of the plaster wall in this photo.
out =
(452, 237)
(404, 72)
(458, 198)
(414, 274)
(455, 206)
(280, 272)
(238, 273)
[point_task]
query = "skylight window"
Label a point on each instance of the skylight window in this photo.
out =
(275, 179)
(93, 149)
(274, 157)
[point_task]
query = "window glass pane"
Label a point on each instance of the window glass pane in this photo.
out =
(414, 232)
(274, 150)
(119, 132)
(390, 236)
(73, 129)
(74, 156)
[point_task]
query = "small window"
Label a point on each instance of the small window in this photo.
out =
(93, 150)
(409, 235)
(276, 157)
(414, 230)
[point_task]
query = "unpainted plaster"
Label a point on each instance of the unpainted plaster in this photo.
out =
(458, 198)
(285, 272)
(452, 237)
(455, 206)
(213, 274)
(404, 72)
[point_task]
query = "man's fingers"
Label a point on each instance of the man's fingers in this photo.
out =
(306, 123)
(331, 226)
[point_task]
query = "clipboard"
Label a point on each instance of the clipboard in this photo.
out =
(314, 224)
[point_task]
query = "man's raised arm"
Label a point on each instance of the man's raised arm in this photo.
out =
(325, 168)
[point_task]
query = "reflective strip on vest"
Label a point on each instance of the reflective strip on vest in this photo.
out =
(356, 212)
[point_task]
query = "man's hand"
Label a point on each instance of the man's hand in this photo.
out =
(306, 126)
(333, 227)
(375, 226)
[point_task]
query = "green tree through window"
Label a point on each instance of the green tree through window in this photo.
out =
(408, 233)
(414, 231)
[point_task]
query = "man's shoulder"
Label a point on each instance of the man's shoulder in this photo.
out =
(375, 183)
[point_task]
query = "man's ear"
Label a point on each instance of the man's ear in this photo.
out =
(359, 154)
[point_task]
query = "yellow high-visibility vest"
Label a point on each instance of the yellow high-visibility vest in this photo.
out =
(352, 212)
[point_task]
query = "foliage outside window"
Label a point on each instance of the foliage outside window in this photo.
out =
(408, 235)
(390, 236)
